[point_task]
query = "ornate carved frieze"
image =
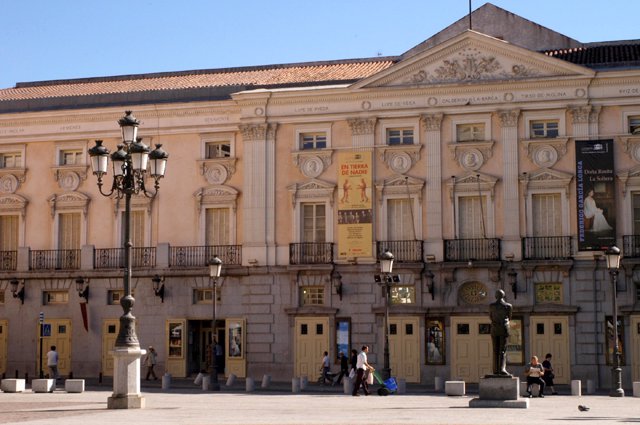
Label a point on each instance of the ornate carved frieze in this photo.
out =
(216, 195)
(253, 132)
(431, 122)
(545, 152)
(580, 114)
(509, 118)
(594, 114)
(545, 178)
(631, 146)
(473, 183)
(401, 158)
(313, 189)
(361, 126)
(69, 201)
(217, 170)
(13, 203)
(312, 163)
(471, 155)
(400, 185)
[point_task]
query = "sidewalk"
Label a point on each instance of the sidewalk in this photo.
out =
(188, 404)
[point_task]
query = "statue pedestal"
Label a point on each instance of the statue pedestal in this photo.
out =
(500, 391)
(126, 379)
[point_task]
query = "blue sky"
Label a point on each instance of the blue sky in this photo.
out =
(61, 39)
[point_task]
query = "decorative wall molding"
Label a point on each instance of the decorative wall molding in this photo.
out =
(545, 152)
(400, 159)
(255, 132)
(580, 114)
(13, 203)
(312, 163)
(69, 177)
(431, 122)
(216, 195)
(473, 183)
(545, 178)
(217, 170)
(69, 201)
(361, 126)
(509, 118)
(400, 185)
(313, 189)
(471, 155)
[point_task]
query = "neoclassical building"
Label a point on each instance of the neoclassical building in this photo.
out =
(506, 156)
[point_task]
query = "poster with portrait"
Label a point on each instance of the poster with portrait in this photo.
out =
(595, 195)
(435, 341)
(236, 341)
(515, 345)
(355, 206)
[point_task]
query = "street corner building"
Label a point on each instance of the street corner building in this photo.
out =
(506, 156)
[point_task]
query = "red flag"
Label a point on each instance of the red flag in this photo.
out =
(83, 309)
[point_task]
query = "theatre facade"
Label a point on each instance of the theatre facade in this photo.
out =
(502, 157)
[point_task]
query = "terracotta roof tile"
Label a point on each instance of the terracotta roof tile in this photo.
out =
(275, 75)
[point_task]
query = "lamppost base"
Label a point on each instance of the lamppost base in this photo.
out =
(126, 379)
(618, 392)
(616, 379)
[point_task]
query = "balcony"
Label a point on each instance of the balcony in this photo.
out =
(487, 249)
(8, 260)
(546, 248)
(199, 256)
(311, 253)
(631, 246)
(54, 259)
(403, 251)
(113, 258)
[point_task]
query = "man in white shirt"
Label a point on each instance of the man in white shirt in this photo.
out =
(361, 367)
(52, 362)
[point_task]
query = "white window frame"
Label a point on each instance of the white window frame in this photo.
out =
(215, 199)
(626, 117)
(21, 226)
(218, 138)
(315, 135)
(232, 221)
(489, 220)
(529, 116)
(297, 218)
(83, 226)
(564, 209)
(300, 130)
(472, 119)
(9, 149)
(396, 124)
(416, 207)
(71, 146)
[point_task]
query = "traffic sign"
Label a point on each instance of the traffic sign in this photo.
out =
(41, 317)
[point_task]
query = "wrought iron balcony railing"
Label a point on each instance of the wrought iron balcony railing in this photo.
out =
(631, 246)
(199, 256)
(113, 258)
(311, 253)
(54, 259)
(8, 260)
(546, 248)
(487, 249)
(403, 251)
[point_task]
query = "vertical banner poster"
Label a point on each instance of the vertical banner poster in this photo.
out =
(355, 214)
(595, 190)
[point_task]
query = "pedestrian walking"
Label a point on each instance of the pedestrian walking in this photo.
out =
(548, 373)
(362, 367)
(325, 367)
(344, 367)
(52, 362)
(150, 361)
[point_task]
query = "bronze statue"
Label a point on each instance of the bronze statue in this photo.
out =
(500, 314)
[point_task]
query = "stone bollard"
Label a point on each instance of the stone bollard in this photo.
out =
(636, 389)
(231, 380)
(266, 381)
(439, 384)
(591, 387)
(304, 381)
(249, 385)
(295, 385)
(576, 387)
(402, 386)
(347, 384)
(166, 381)
(206, 380)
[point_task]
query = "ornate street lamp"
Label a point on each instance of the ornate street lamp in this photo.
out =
(613, 264)
(130, 163)
(386, 267)
(215, 267)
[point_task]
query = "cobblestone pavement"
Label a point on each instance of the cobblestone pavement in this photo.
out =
(193, 406)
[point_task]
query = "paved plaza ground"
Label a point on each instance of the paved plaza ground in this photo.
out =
(190, 405)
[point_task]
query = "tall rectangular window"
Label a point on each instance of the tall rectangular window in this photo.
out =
(471, 217)
(313, 223)
(137, 229)
(9, 232)
(69, 228)
(634, 125)
(217, 150)
(313, 140)
(470, 132)
(544, 129)
(400, 220)
(547, 217)
(217, 226)
(400, 136)
(10, 160)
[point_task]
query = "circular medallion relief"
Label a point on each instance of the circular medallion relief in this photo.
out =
(400, 162)
(216, 174)
(312, 167)
(69, 180)
(545, 156)
(635, 152)
(471, 159)
(473, 293)
(8, 183)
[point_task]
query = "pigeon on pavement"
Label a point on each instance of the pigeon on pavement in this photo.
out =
(583, 408)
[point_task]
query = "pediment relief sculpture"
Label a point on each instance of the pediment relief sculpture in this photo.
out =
(400, 159)
(312, 163)
(19, 174)
(545, 152)
(313, 189)
(13, 203)
(473, 183)
(471, 156)
(400, 185)
(631, 146)
(546, 178)
(214, 195)
(630, 179)
(69, 177)
(217, 170)
(69, 201)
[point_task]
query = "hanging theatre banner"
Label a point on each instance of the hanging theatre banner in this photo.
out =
(355, 213)
(595, 190)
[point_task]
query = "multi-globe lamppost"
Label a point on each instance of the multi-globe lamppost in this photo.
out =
(215, 267)
(130, 163)
(613, 264)
(386, 267)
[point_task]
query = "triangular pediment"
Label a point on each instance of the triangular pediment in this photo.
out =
(311, 189)
(546, 178)
(400, 185)
(472, 57)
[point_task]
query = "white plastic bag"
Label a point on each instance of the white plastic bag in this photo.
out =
(352, 373)
(370, 378)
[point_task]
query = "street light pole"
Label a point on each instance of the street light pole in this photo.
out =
(613, 264)
(386, 267)
(215, 267)
(130, 163)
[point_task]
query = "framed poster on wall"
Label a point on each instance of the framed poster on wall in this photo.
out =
(435, 341)
(343, 337)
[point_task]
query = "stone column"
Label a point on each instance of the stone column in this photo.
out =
(580, 121)
(259, 192)
(362, 132)
(511, 204)
(431, 124)
(594, 115)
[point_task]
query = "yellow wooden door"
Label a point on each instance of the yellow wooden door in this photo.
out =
(109, 336)
(471, 351)
(635, 348)
(404, 348)
(311, 340)
(57, 332)
(4, 333)
(550, 334)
